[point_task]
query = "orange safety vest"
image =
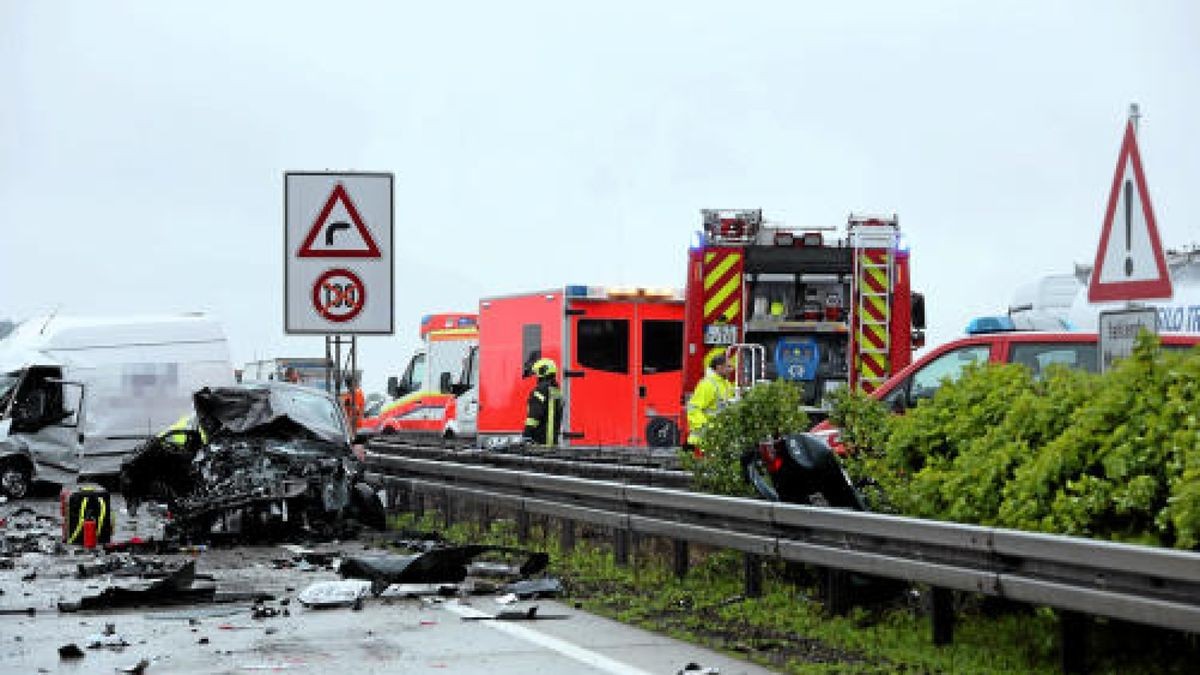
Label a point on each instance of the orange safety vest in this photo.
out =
(354, 403)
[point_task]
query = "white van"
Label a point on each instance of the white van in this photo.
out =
(79, 394)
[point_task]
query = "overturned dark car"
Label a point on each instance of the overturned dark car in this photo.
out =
(259, 462)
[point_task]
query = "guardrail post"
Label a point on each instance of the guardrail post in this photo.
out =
(417, 503)
(1073, 637)
(752, 563)
(448, 509)
(485, 516)
(681, 558)
(400, 496)
(621, 546)
(836, 590)
(943, 616)
(522, 524)
(567, 542)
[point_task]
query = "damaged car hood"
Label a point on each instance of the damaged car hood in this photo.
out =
(281, 412)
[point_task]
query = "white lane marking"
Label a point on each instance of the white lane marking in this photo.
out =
(585, 656)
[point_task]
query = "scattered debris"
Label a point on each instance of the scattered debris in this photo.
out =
(263, 612)
(107, 641)
(70, 651)
(136, 669)
(527, 614)
(329, 594)
(544, 587)
(697, 669)
(177, 587)
(443, 565)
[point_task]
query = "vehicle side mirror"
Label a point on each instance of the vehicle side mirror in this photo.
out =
(393, 387)
(445, 383)
(918, 311)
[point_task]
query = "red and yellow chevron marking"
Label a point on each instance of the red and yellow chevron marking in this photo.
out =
(867, 365)
(873, 320)
(722, 286)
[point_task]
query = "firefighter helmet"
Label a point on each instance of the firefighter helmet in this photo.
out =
(544, 368)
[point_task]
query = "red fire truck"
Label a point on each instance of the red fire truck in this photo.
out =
(619, 356)
(812, 306)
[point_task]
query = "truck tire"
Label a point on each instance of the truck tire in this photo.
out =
(15, 478)
(662, 433)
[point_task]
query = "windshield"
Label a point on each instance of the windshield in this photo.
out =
(314, 408)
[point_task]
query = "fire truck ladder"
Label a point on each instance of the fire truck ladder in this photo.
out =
(874, 241)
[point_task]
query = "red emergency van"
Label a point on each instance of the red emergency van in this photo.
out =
(1037, 350)
(619, 353)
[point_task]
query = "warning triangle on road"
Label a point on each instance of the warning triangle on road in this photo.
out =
(1130, 264)
(338, 231)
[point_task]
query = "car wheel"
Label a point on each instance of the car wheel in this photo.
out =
(14, 479)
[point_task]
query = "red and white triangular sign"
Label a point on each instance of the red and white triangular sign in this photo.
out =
(339, 232)
(1130, 264)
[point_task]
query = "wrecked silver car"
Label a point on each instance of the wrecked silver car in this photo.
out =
(258, 463)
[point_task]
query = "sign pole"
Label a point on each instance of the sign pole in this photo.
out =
(328, 365)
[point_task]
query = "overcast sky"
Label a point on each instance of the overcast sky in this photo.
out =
(142, 145)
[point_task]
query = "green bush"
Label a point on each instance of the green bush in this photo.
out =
(1113, 456)
(765, 410)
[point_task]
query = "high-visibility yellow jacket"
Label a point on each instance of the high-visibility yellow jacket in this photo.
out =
(712, 393)
(184, 423)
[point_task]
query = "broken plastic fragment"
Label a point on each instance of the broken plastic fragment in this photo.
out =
(324, 594)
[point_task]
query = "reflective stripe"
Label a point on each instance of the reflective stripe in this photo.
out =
(79, 525)
(540, 395)
(529, 421)
(550, 419)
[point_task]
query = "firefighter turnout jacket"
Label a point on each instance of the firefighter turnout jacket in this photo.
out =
(712, 393)
(543, 412)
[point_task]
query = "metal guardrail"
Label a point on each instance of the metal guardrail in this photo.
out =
(639, 468)
(1158, 587)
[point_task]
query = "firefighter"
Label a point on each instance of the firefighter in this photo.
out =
(712, 393)
(543, 411)
(353, 403)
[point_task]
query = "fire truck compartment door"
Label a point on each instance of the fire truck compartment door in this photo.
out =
(659, 374)
(602, 390)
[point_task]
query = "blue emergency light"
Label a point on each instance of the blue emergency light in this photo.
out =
(990, 324)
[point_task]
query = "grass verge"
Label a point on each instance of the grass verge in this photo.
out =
(787, 629)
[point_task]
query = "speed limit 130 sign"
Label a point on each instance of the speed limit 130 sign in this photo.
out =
(338, 234)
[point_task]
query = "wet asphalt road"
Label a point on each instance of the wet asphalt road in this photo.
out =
(388, 635)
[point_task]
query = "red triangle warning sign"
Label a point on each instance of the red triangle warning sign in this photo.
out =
(338, 231)
(1130, 264)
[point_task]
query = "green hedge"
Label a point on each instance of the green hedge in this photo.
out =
(1113, 456)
